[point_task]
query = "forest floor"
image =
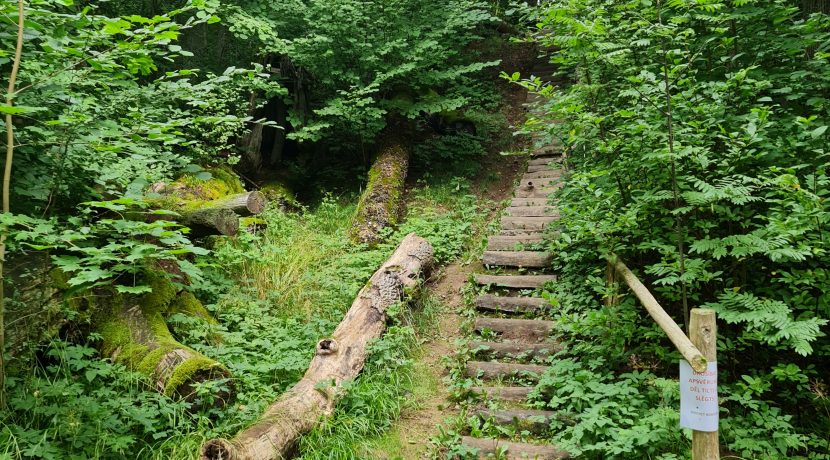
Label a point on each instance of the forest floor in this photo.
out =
(421, 419)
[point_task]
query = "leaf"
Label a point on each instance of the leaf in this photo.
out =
(18, 109)
(818, 131)
(140, 289)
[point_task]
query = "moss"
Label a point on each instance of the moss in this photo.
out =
(188, 304)
(380, 205)
(161, 295)
(279, 192)
(140, 339)
(189, 193)
(184, 373)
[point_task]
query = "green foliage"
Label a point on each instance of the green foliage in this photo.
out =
(100, 118)
(364, 62)
(696, 139)
(78, 406)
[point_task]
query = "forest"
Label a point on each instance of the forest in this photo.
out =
(262, 229)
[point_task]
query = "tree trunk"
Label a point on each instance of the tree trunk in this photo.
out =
(134, 333)
(381, 204)
(337, 359)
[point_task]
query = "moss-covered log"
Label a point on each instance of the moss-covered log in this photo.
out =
(243, 204)
(381, 204)
(134, 333)
(338, 359)
(211, 221)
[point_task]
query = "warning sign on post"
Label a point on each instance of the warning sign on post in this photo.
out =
(699, 397)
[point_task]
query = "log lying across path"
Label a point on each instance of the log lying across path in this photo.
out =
(338, 359)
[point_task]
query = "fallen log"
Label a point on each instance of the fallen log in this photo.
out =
(338, 359)
(211, 221)
(381, 204)
(244, 204)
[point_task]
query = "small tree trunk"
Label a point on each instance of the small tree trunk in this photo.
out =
(337, 359)
(381, 204)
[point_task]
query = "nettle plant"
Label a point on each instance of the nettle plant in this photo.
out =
(696, 132)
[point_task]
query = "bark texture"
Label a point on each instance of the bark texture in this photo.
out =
(337, 359)
(381, 204)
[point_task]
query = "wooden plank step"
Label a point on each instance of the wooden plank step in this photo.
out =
(532, 420)
(542, 161)
(522, 232)
(515, 281)
(514, 242)
(528, 202)
(539, 181)
(536, 192)
(527, 330)
(526, 223)
(489, 448)
(489, 370)
(513, 350)
(547, 151)
(542, 168)
(528, 259)
(548, 173)
(509, 304)
(504, 393)
(532, 211)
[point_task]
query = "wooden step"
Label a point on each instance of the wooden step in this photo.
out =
(499, 350)
(489, 448)
(514, 242)
(532, 211)
(509, 304)
(526, 330)
(526, 223)
(539, 181)
(536, 192)
(542, 161)
(519, 232)
(515, 281)
(527, 259)
(504, 393)
(490, 370)
(528, 202)
(541, 168)
(547, 151)
(532, 420)
(548, 173)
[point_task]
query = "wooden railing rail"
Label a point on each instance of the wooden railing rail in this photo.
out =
(702, 336)
(672, 330)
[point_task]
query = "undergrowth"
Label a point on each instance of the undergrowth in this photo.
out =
(274, 293)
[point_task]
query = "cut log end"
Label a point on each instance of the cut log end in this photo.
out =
(218, 449)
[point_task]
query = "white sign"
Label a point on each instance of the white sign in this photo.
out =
(699, 397)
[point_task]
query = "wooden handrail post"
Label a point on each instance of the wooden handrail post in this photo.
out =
(704, 335)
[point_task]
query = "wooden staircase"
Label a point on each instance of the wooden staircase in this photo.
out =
(511, 339)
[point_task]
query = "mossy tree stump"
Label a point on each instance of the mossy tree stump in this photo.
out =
(134, 332)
